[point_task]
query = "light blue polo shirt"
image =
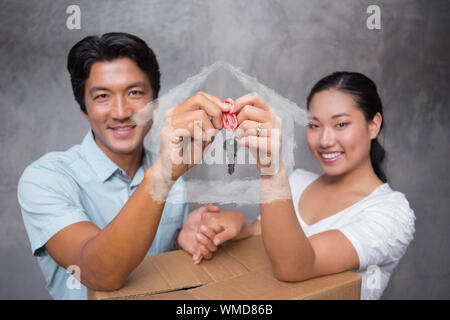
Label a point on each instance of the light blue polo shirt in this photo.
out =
(83, 184)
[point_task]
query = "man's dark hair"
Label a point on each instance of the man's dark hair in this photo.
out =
(109, 47)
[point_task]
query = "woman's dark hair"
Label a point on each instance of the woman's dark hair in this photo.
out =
(367, 99)
(109, 47)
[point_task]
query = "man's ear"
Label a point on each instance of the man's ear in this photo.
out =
(85, 115)
(375, 125)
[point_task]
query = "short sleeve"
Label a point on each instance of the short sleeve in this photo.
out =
(382, 232)
(49, 202)
(299, 180)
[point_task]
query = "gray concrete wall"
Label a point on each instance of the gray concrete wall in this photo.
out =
(287, 45)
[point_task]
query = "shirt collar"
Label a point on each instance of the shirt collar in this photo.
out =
(100, 162)
(146, 163)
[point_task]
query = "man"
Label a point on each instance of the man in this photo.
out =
(92, 207)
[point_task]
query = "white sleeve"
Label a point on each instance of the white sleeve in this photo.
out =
(382, 233)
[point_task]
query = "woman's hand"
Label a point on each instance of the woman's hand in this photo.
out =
(260, 130)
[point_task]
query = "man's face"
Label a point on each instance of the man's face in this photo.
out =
(114, 91)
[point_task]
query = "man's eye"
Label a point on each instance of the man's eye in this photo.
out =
(135, 92)
(101, 96)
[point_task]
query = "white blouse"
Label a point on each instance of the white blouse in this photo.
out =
(379, 226)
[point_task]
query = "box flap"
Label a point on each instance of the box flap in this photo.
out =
(172, 295)
(238, 270)
(261, 285)
(250, 252)
(171, 271)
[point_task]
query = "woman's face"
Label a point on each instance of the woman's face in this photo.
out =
(338, 134)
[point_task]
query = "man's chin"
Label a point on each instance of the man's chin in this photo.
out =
(126, 150)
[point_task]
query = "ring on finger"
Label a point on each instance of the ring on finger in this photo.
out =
(258, 129)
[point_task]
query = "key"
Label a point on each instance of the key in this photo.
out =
(230, 122)
(231, 146)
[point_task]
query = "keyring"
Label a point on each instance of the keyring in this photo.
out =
(229, 120)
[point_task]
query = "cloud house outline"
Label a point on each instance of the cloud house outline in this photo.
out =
(239, 190)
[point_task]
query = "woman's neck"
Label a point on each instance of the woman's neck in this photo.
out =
(360, 179)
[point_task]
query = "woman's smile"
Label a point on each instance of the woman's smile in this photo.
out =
(329, 157)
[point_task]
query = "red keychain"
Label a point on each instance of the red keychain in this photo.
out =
(229, 120)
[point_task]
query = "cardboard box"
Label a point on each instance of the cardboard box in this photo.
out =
(238, 270)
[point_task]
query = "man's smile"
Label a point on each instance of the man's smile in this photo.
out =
(123, 130)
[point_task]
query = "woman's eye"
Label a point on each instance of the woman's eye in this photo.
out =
(342, 124)
(312, 126)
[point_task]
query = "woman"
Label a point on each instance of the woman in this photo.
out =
(348, 218)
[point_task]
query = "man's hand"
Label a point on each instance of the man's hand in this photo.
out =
(191, 238)
(227, 225)
(188, 130)
(207, 227)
